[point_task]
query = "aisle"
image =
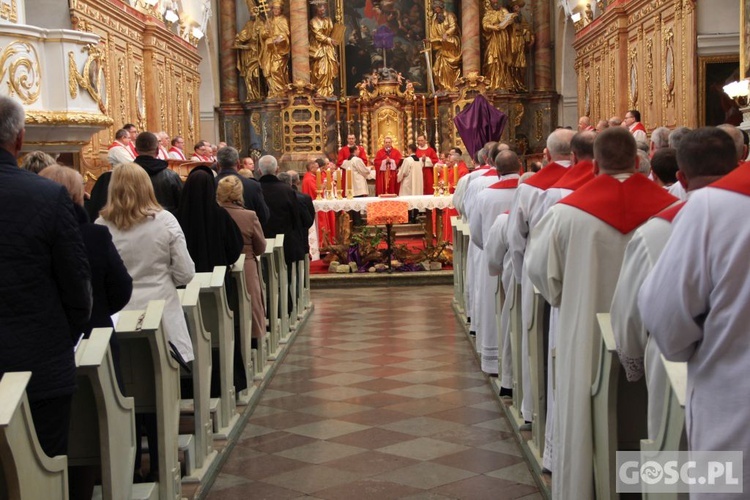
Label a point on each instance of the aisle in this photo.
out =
(379, 397)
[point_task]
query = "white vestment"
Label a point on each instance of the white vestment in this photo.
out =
(119, 154)
(410, 177)
(695, 305)
(360, 174)
(574, 259)
(634, 346)
(499, 264)
(488, 205)
(677, 191)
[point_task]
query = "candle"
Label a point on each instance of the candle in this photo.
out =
(318, 180)
(329, 179)
(435, 175)
(455, 175)
(445, 176)
(424, 107)
(436, 107)
(349, 183)
(338, 179)
(338, 111)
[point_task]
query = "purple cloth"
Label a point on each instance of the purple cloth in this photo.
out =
(479, 123)
(383, 38)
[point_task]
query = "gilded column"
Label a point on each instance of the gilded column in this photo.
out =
(542, 46)
(298, 22)
(470, 33)
(229, 91)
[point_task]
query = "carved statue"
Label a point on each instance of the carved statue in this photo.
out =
(274, 51)
(247, 44)
(446, 41)
(324, 65)
(521, 39)
(497, 25)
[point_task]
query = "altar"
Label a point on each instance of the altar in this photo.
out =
(433, 207)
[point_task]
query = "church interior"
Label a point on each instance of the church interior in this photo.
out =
(371, 385)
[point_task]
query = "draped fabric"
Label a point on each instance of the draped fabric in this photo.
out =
(479, 123)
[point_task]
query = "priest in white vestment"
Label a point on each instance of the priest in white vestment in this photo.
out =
(409, 175)
(707, 157)
(695, 305)
(499, 264)
(528, 195)
(490, 202)
(574, 258)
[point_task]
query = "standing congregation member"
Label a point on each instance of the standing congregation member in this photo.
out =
(177, 150)
(166, 183)
(152, 246)
(227, 159)
(120, 150)
(694, 305)
(574, 257)
(45, 283)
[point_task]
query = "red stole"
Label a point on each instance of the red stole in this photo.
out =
(738, 180)
(576, 176)
(637, 126)
(118, 144)
(177, 150)
(668, 214)
(622, 205)
(505, 184)
(490, 172)
(547, 176)
(131, 146)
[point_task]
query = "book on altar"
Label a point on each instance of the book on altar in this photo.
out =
(387, 195)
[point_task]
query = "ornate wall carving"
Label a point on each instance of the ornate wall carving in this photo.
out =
(643, 53)
(151, 75)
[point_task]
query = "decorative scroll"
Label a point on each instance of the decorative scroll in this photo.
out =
(20, 63)
(93, 78)
(650, 71)
(669, 76)
(140, 101)
(9, 10)
(633, 78)
(587, 94)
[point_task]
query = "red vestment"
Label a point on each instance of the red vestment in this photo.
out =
(450, 212)
(393, 159)
(344, 155)
(427, 174)
(326, 220)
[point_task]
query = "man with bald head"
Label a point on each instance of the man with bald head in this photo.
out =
(490, 202)
(574, 257)
(527, 197)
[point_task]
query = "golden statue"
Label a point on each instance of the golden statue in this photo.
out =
(497, 25)
(521, 39)
(274, 51)
(324, 67)
(247, 44)
(446, 41)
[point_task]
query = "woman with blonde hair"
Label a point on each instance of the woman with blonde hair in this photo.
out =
(229, 194)
(36, 161)
(152, 245)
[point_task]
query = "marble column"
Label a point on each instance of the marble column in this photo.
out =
(471, 22)
(543, 46)
(229, 90)
(298, 25)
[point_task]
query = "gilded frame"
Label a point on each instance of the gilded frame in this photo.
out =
(704, 70)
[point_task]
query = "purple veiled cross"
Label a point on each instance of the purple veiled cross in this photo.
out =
(382, 38)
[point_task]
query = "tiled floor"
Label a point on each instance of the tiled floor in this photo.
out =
(380, 397)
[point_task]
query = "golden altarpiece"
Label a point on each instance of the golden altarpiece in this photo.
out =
(381, 87)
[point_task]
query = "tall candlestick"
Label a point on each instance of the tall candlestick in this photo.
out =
(424, 107)
(455, 175)
(359, 109)
(349, 192)
(318, 179)
(329, 180)
(338, 111)
(348, 118)
(436, 106)
(446, 182)
(436, 178)
(338, 183)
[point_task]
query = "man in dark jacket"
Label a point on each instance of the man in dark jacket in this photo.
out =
(282, 203)
(228, 160)
(306, 207)
(45, 285)
(167, 183)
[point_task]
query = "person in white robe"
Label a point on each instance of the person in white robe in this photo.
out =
(573, 258)
(704, 159)
(490, 202)
(695, 305)
(499, 264)
(410, 174)
(557, 154)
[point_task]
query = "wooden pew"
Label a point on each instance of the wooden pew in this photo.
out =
(293, 286)
(671, 436)
(305, 280)
(270, 276)
(465, 240)
(538, 339)
(102, 424)
(278, 256)
(516, 336)
(202, 405)
(27, 472)
(458, 290)
(218, 319)
(619, 410)
(151, 377)
(245, 310)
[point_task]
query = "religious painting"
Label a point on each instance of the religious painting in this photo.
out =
(715, 106)
(386, 36)
(745, 38)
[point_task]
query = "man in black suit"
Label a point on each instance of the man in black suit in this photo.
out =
(306, 207)
(45, 285)
(228, 160)
(167, 183)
